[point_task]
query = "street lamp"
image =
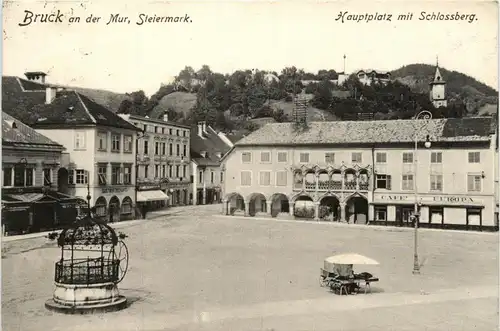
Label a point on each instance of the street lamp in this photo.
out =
(423, 115)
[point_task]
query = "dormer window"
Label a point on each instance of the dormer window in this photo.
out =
(12, 124)
(203, 154)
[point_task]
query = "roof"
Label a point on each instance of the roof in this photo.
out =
(159, 121)
(23, 134)
(236, 136)
(212, 144)
(369, 132)
(368, 71)
(26, 100)
(438, 78)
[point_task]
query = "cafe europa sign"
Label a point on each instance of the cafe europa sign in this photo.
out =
(434, 199)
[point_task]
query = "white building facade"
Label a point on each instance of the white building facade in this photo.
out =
(366, 171)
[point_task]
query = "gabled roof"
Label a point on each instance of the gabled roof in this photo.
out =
(369, 132)
(437, 77)
(158, 121)
(26, 100)
(15, 132)
(211, 144)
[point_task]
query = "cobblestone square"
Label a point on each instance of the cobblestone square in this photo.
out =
(192, 270)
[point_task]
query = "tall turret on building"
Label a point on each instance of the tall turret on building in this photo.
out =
(437, 92)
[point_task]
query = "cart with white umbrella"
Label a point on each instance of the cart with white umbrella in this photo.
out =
(338, 273)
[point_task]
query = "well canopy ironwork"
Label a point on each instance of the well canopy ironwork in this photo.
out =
(91, 253)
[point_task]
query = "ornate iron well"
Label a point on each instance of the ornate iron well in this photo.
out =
(93, 261)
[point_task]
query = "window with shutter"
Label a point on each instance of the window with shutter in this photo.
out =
(474, 157)
(282, 157)
(265, 157)
(381, 158)
(246, 157)
(330, 158)
(408, 157)
(407, 183)
(281, 178)
(436, 157)
(473, 183)
(357, 157)
(389, 182)
(47, 178)
(246, 178)
(437, 183)
(304, 157)
(265, 178)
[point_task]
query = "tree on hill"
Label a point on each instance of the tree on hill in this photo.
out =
(137, 105)
(455, 81)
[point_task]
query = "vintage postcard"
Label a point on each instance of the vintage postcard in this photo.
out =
(249, 165)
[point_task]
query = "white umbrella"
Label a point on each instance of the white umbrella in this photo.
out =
(350, 259)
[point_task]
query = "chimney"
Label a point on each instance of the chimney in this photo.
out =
(50, 94)
(200, 129)
(165, 117)
(36, 76)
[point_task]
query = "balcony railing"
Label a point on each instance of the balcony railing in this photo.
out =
(310, 186)
(350, 185)
(333, 185)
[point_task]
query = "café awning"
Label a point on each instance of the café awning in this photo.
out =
(157, 195)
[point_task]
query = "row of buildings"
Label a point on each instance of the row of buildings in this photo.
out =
(59, 147)
(369, 172)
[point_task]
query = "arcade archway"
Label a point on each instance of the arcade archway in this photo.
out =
(257, 203)
(357, 210)
(303, 207)
(329, 208)
(235, 203)
(279, 204)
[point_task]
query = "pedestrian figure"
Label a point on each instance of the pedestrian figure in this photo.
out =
(144, 210)
(111, 212)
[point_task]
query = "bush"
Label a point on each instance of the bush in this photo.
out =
(324, 211)
(304, 213)
(288, 98)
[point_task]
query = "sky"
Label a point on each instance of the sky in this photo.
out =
(233, 35)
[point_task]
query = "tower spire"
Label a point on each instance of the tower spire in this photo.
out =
(437, 61)
(344, 64)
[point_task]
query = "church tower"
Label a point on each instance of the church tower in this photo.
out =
(438, 89)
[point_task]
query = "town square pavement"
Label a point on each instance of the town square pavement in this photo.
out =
(191, 269)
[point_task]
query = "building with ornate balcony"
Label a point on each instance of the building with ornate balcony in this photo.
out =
(163, 158)
(207, 149)
(366, 171)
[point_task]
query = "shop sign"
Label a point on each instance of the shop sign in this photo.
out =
(444, 199)
(114, 189)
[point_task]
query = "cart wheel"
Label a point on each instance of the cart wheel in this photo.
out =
(322, 281)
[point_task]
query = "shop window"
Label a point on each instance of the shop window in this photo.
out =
(381, 213)
(474, 216)
(436, 215)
